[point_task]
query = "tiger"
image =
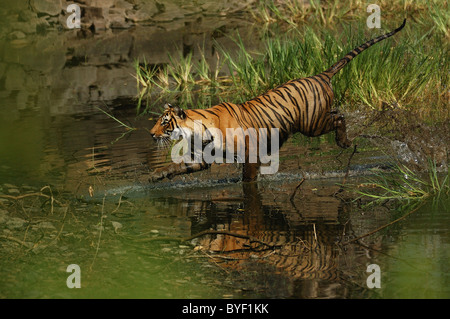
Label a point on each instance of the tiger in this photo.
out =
(300, 105)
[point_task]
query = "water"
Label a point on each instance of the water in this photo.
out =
(74, 190)
(285, 249)
(420, 268)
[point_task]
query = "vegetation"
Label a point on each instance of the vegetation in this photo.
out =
(404, 184)
(181, 80)
(297, 41)
(429, 14)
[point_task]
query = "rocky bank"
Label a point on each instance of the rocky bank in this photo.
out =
(47, 66)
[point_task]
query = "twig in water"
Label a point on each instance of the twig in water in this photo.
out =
(315, 234)
(291, 199)
(296, 188)
(120, 203)
(116, 119)
(100, 233)
(40, 194)
(212, 259)
(347, 170)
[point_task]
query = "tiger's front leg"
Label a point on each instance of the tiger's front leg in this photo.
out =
(250, 172)
(175, 169)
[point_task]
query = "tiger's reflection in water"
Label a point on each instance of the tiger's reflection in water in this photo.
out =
(281, 252)
(266, 245)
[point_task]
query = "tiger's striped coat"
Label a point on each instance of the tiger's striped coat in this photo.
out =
(300, 105)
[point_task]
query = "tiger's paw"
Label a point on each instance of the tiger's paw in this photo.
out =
(158, 175)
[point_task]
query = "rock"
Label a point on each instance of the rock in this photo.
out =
(169, 12)
(100, 25)
(119, 24)
(117, 19)
(48, 7)
(27, 15)
(122, 4)
(211, 7)
(225, 7)
(96, 17)
(144, 13)
(100, 3)
(191, 9)
(405, 154)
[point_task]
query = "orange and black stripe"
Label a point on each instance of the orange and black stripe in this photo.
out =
(299, 105)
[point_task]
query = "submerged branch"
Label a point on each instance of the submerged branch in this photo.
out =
(35, 194)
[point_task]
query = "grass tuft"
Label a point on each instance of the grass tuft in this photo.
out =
(403, 184)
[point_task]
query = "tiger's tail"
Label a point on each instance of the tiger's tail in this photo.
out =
(346, 59)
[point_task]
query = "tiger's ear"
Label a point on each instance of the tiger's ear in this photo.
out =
(167, 106)
(179, 112)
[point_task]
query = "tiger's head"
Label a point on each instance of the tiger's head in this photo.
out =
(171, 119)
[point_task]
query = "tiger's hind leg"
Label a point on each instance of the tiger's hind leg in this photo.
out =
(334, 121)
(341, 131)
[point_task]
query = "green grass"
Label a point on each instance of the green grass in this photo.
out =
(408, 74)
(430, 14)
(403, 184)
(294, 12)
(409, 70)
(183, 80)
